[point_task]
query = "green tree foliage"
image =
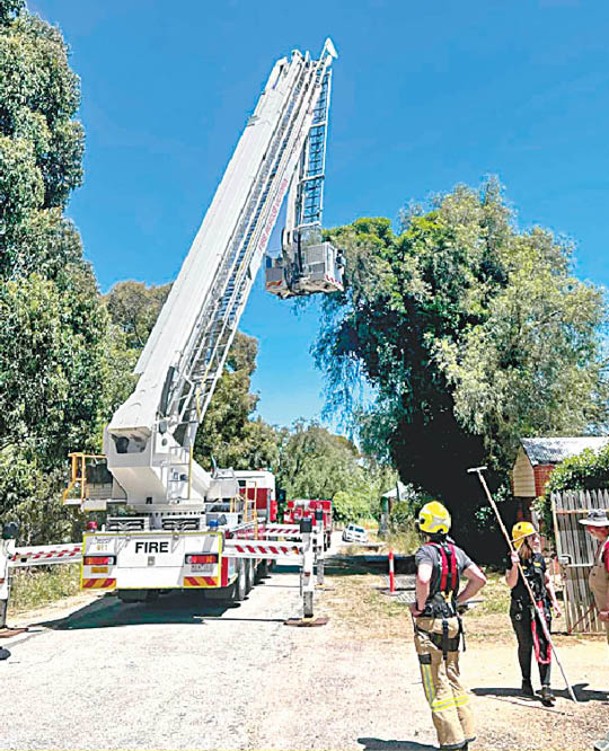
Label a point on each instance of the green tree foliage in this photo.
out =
(227, 435)
(53, 354)
(586, 471)
(471, 333)
(315, 463)
(52, 367)
(134, 307)
(41, 145)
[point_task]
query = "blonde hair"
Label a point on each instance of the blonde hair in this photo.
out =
(526, 551)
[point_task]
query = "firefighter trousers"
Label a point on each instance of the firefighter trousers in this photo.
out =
(531, 640)
(449, 701)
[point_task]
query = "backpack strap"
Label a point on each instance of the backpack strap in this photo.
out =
(454, 577)
(448, 566)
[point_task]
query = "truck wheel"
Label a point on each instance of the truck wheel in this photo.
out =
(132, 595)
(3, 611)
(308, 604)
(239, 591)
(251, 573)
(262, 571)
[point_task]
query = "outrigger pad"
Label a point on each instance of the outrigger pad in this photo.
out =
(4, 654)
(6, 632)
(306, 621)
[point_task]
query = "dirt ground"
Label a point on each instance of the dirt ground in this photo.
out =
(370, 697)
(490, 671)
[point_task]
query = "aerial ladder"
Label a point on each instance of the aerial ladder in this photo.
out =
(149, 441)
(180, 526)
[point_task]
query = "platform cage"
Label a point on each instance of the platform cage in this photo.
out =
(91, 483)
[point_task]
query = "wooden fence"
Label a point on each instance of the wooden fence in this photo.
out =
(575, 549)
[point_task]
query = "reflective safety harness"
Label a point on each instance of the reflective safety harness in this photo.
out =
(535, 577)
(443, 602)
(546, 658)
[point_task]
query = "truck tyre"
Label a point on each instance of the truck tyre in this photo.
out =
(251, 573)
(239, 590)
(3, 611)
(308, 604)
(132, 595)
(263, 570)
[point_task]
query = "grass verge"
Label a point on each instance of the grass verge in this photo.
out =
(360, 604)
(41, 586)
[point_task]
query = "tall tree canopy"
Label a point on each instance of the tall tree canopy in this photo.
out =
(53, 349)
(471, 333)
(315, 463)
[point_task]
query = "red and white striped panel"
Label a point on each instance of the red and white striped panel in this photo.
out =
(280, 530)
(45, 555)
(261, 549)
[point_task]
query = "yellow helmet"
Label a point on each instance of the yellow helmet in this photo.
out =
(520, 531)
(434, 518)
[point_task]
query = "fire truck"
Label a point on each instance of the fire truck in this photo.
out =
(316, 510)
(170, 524)
(259, 486)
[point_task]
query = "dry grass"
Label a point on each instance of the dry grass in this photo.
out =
(360, 603)
(357, 603)
(32, 588)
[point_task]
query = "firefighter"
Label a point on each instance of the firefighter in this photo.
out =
(597, 524)
(437, 625)
(524, 615)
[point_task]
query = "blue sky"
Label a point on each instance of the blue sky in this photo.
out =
(426, 95)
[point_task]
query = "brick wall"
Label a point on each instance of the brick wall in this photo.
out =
(542, 474)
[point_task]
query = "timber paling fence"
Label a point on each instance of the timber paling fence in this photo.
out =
(576, 549)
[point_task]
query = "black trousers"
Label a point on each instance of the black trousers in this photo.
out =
(522, 623)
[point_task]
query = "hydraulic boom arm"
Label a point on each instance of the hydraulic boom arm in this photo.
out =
(149, 440)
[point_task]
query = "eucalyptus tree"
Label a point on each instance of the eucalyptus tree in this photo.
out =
(468, 333)
(53, 349)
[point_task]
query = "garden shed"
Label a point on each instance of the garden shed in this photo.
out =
(537, 458)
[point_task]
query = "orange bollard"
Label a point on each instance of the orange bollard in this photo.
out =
(391, 572)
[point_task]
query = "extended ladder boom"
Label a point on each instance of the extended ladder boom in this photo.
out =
(149, 440)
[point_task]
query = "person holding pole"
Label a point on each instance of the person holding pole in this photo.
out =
(526, 557)
(437, 625)
(515, 559)
(597, 524)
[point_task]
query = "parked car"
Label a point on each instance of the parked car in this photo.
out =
(353, 533)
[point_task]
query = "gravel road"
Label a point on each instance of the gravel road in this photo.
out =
(195, 674)
(189, 674)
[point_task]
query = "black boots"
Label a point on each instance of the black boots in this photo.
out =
(547, 697)
(527, 689)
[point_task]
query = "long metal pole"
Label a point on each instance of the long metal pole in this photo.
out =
(539, 610)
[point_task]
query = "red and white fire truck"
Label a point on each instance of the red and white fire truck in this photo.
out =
(170, 523)
(259, 486)
(306, 508)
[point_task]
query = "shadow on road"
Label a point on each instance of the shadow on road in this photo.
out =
(177, 607)
(376, 744)
(581, 693)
